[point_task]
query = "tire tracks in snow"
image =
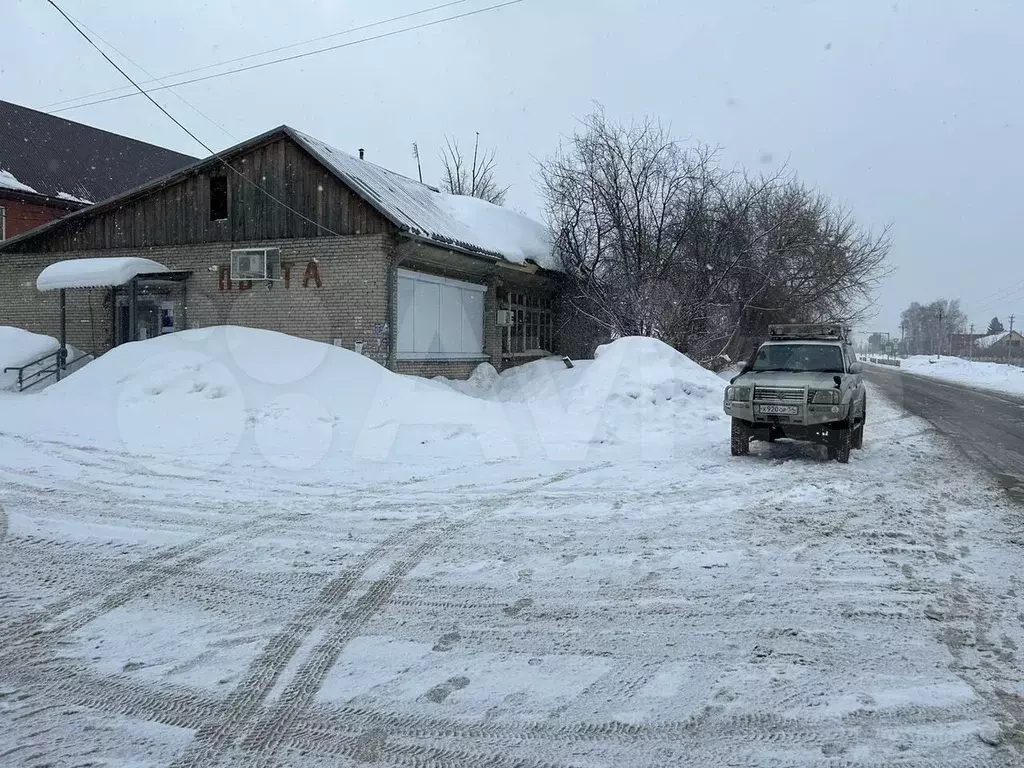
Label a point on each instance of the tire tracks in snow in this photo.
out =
(26, 638)
(237, 714)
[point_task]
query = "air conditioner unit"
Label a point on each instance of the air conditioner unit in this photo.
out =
(503, 317)
(255, 264)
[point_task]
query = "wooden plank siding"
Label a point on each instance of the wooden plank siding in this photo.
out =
(178, 213)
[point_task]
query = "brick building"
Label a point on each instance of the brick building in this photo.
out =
(50, 166)
(344, 252)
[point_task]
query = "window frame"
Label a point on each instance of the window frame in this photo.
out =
(440, 355)
(532, 320)
(3, 223)
(227, 200)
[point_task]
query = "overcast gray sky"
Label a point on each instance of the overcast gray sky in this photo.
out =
(908, 112)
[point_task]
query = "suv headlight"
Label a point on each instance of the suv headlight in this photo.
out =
(738, 394)
(825, 396)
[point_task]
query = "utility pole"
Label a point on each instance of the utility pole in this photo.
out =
(903, 337)
(1008, 339)
(940, 333)
(970, 340)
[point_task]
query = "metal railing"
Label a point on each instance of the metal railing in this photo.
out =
(30, 378)
(884, 361)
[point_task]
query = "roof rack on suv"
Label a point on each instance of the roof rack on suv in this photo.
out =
(816, 331)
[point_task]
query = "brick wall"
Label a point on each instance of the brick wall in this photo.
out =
(350, 305)
(22, 216)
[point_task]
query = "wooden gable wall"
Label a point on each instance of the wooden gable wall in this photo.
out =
(179, 212)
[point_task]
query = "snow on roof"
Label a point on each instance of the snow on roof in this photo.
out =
(466, 223)
(987, 341)
(72, 198)
(7, 181)
(95, 273)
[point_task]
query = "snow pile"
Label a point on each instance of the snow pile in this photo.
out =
(200, 399)
(637, 391)
(18, 347)
(7, 181)
(996, 376)
(95, 273)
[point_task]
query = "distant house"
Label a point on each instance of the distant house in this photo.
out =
(962, 344)
(283, 232)
(50, 166)
(1007, 344)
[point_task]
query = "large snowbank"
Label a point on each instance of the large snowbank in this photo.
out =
(205, 397)
(996, 376)
(636, 391)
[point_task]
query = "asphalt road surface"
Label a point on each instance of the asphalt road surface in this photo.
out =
(987, 426)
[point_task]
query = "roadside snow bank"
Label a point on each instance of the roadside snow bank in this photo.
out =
(201, 399)
(636, 391)
(996, 376)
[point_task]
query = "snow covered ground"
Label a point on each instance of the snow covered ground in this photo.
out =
(996, 376)
(253, 550)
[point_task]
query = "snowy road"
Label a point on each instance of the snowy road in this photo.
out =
(778, 610)
(987, 425)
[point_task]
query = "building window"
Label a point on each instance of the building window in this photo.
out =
(3, 223)
(532, 326)
(218, 198)
(439, 318)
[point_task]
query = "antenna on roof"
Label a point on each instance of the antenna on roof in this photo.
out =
(416, 154)
(362, 152)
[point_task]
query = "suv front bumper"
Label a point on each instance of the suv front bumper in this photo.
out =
(806, 415)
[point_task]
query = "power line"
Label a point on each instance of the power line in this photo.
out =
(237, 59)
(1006, 294)
(180, 125)
(293, 57)
(142, 69)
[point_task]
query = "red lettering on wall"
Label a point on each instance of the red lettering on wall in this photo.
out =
(312, 273)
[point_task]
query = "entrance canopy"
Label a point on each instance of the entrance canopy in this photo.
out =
(103, 272)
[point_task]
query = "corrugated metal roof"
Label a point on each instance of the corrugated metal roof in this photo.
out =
(467, 223)
(63, 159)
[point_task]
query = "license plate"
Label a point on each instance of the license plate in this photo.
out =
(780, 410)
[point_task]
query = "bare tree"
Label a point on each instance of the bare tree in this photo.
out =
(929, 327)
(473, 178)
(656, 239)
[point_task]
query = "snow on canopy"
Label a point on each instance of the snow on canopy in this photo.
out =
(95, 273)
(455, 220)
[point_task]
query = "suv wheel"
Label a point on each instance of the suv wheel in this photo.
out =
(740, 438)
(858, 434)
(839, 445)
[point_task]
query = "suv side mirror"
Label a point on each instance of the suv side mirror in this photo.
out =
(856, 368)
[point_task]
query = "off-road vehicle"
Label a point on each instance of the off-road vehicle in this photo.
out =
(804, 383)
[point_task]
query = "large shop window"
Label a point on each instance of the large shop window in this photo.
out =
(439, 318)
